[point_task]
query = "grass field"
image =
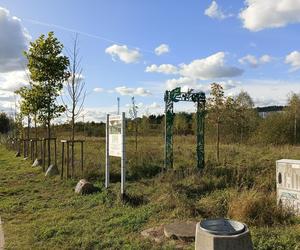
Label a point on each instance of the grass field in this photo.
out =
(40, 213)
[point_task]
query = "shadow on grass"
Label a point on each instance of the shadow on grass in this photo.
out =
(133, 200)
(144, 171)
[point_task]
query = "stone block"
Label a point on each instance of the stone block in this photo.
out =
(37, 162)
(52, 171)
(84, 187)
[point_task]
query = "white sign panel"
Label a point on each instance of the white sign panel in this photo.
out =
(288, 184)
(115, 135)
(115, 145)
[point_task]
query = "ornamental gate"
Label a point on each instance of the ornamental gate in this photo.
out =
(176, 95)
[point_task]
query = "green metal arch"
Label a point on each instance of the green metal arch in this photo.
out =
(176, 95)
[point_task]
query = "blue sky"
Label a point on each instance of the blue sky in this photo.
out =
(248, 45)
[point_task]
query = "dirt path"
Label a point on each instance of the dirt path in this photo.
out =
(1, 236)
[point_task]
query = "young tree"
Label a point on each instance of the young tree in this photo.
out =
(245, 115)
(25, 109)
(133, 111)
(181, 124)
(75, 89)
(294, 110)
(4, 123)
(31, 100)
(216, 106)
(48, 70)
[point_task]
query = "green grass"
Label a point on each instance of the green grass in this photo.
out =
(40, 213)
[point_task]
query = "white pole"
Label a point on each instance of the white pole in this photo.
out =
(123, 158)
(107, 153)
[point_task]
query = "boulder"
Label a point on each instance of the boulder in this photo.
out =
(181, 230)
(155, 233)
(52, 171)
(37, 162)
(84, 187)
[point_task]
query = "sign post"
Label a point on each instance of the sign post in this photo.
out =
(123, 158)
(115, 145)
(107, 163)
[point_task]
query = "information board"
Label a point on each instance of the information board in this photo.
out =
(115, 135)
(115, 145)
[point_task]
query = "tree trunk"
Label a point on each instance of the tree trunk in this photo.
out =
(218, 142)
(295, 129)
(136, 141)
(73, 108)
(72, 144)
(35, 128)
(49, 142)
(28, 127)
(136, 136)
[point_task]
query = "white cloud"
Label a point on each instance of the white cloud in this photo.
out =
(209, 68)
(214, 11)
(268, 91)
(185, 83)
(262, 14)
(229, 84)
(254, 62)
(123, 53)
(180, 82)
(132, 91)
(293, 59)
(163, 68)
(14, 40)
(250, 60)
(154, 105)
(162, 49)
(265, 59)
(98, 90)
(6, 96)
(11, 81)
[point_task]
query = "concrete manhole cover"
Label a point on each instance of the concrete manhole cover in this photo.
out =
(181, 230)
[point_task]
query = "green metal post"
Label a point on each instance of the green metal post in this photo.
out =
(200, 135)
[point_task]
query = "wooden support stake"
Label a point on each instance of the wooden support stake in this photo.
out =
(72, 158)
(82, 158)
(68, 159)
(44, 154)
(24, 153)
(62, 160)
(55, 152)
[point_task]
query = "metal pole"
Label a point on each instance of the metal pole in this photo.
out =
(123, 158)
(107, 163)
(200, 135)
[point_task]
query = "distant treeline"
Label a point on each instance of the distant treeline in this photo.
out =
(270, 109)
(227, 120)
